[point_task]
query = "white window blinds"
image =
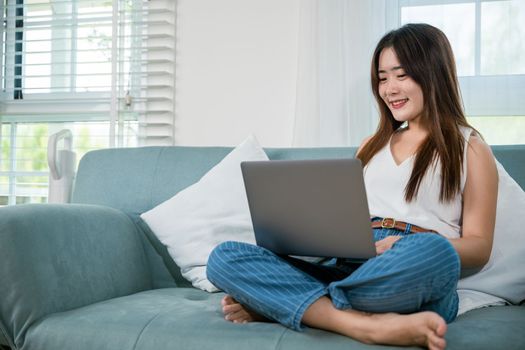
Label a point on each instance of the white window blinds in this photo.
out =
(90, 60)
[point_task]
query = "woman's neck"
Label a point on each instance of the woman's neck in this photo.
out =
(415, 130)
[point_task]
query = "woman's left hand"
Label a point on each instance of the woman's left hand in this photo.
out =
(386, 243)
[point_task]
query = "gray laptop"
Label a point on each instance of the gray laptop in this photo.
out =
(310, 207)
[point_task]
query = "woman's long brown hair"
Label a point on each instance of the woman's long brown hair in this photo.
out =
(426, 56)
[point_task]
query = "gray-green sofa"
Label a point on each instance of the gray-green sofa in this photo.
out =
(91, 275)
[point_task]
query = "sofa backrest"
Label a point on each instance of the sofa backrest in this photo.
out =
(135, 180)
(513, 160)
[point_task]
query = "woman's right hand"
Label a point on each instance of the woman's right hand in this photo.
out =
(386, 243)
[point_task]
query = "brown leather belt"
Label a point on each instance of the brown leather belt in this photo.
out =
(391, 223)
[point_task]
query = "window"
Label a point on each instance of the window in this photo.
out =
(488, 40)
(23, 166)
(102, 68)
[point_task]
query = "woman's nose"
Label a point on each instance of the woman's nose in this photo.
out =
(391, 87)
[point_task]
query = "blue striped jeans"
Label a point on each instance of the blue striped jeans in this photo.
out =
(419, 273)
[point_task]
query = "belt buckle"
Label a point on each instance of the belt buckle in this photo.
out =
(388, 223)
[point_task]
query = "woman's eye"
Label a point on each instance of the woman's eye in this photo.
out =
(401, 76)
(382, 80)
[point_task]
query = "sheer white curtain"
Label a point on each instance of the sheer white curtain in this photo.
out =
(334, 103)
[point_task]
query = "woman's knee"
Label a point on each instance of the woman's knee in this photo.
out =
(219, 260)
(432, 255)
(444, 248)
(437, 246)
(227, 254)
(443, 261)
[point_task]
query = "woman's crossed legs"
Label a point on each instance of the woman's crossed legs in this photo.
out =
(419, 273)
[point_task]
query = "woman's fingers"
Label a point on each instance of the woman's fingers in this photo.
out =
(386, 243)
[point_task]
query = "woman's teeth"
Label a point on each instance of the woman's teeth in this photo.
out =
(399, 103)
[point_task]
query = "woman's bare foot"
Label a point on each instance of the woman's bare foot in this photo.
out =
(237, 313)
(425, 329)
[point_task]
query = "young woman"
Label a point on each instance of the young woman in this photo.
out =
(431, 183)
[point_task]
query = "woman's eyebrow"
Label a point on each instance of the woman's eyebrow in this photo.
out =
(393, 69)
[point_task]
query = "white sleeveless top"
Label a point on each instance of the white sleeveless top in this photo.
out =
(385, 183)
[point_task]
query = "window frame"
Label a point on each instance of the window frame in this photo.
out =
(483, 95)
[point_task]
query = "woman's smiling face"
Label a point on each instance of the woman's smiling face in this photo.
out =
(401, 93)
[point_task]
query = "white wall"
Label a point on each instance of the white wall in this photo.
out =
(236, 71)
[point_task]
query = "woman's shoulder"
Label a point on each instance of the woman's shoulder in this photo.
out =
(480, 159)
(475, 144)
(478, 146)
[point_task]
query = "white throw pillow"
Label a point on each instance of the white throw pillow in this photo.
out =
(207, 213)
(504, 275)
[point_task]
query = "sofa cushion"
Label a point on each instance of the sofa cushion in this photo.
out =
(181, 318)
(187, 318)
(213, 210)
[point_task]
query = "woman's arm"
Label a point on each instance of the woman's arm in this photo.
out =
(479, 206)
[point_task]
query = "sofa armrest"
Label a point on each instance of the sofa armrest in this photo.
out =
(60, 257)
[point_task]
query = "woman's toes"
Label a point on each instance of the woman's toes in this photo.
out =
(437, 344)
(441, 328)
(238, 317)
(228, 309)
(227, 300)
